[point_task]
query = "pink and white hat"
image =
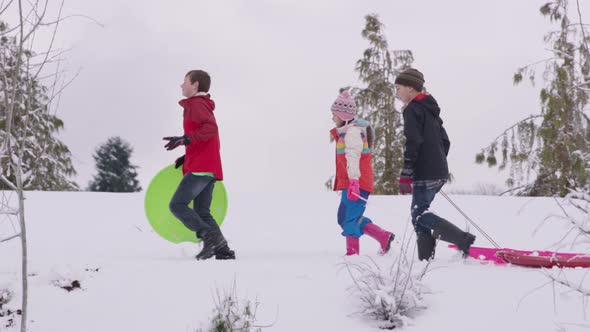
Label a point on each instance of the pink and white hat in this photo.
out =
(344, 106)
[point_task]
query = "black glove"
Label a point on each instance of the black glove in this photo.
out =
(179, 162)
(175, 141)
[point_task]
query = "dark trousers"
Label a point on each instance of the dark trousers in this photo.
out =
(199, 190)
(422, 219)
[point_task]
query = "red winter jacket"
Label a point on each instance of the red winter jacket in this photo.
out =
(202, 154)
(341, 180)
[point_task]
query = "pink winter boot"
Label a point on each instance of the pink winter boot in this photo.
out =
(382, 236)
(352, 245)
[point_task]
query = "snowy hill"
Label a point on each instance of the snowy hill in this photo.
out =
(290, 256)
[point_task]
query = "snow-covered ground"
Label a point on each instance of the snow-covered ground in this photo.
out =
(289, 252)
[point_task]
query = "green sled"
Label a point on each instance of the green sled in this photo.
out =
(157, 199)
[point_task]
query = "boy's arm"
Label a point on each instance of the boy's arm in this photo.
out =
(208, 129)
(445, 139)
(354, 147)
(414, 139)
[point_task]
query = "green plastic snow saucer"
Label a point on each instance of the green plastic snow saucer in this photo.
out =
(157, 200)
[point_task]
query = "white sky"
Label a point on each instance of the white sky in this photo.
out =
(276, 68)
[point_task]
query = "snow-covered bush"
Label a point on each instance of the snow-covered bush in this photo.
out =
(232, 314)
(575, 212)
(391, 295)
(575, 209)
(580, 202)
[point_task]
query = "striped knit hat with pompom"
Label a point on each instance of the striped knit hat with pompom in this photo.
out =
(344, 106)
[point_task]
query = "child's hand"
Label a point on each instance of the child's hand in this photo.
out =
(405, 181)
(405, 185)
(354, 190)
(175, 141)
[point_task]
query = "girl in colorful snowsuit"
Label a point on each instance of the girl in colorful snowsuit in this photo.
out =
(354, 175)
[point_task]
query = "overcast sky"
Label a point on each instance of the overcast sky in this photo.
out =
(276, 67)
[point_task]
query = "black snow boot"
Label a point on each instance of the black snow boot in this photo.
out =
(225, 253)
(212, 242)
(448, 232)
(426, 246)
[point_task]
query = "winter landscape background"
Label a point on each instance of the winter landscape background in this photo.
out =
(276, 64)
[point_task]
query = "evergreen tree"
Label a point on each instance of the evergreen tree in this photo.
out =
(46, 160)
(378, 69)
(115, 172)
(553, 146)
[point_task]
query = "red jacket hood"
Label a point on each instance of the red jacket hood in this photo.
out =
(203, 101)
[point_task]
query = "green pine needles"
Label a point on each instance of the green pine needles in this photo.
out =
(548, 154)
(376, 103)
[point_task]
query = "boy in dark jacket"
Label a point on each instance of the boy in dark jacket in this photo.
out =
(425, 165)
(201, 166)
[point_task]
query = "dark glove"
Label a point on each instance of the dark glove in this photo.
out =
(405, 182)
(175, 141)
(179, 162)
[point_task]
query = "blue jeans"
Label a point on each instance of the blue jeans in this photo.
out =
(350, 215)
(199, 190)
(422, 219)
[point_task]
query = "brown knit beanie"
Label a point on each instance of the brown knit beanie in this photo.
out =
(411, 77)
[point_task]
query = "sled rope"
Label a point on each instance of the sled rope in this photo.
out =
(471, 221)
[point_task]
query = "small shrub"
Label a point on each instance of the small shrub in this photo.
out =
(231, 314)
(390, 296)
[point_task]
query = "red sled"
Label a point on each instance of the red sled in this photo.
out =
(546, 259)
(558, 259)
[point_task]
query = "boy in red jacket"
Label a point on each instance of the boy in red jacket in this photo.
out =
(201, 166)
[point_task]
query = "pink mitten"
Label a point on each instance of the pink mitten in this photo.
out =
(354, 190)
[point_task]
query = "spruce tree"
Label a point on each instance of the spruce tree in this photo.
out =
(46, 160)
(115, 171)
(553, 147)
(378, 69)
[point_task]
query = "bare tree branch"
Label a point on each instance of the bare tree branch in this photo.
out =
(73, 16)
(510, 128)
(10, 238)
(3, 7)
(562, 53)
(582, 28)
(35, 25)
(572, 286)
(9, 30)
(536, 63)
(8, 183)
(513, 189)
(51, 42)
(531, 292)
